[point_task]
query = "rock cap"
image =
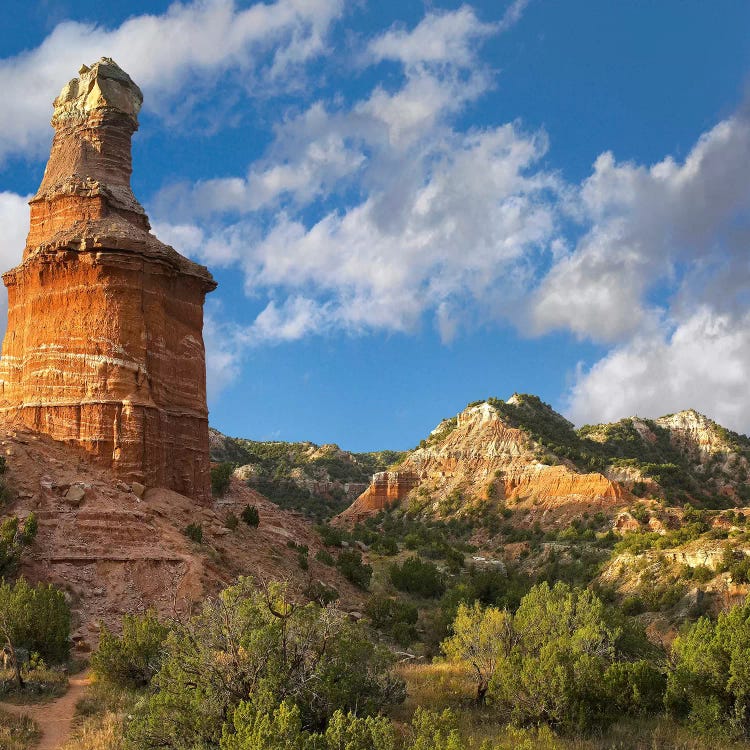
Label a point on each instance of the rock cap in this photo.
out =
(104, 85)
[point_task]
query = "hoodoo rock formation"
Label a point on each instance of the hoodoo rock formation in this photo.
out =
(104, 345)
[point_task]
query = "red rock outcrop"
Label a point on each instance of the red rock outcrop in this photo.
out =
(104, 345)
(386, 488)
(479, 454)
(116, 553)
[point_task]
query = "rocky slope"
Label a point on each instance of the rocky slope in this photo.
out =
(319, 480)
(117, 548)
(519, 453)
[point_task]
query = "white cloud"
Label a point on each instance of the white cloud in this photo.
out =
(440, 219)
(443, 38)
(169, 56)
(223, 353)
(452, 225)
(703, 363)
(670, 224)
(14, 220)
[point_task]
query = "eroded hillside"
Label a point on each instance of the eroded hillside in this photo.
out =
(117, 548)
(318, 480)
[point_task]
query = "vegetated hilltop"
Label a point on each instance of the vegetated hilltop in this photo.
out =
(521, 452)
(117, 548)
(649, 512)
(319, 480)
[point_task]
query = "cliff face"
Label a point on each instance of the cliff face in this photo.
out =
(386, 489)
(522, 452)
(104, 345)
(478, 456)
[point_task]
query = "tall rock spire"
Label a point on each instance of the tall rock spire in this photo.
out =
(104, 345)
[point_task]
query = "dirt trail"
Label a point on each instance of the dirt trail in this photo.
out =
(55, 719)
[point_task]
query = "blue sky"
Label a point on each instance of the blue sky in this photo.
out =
(409, 206)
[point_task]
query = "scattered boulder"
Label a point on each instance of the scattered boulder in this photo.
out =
(75, 494)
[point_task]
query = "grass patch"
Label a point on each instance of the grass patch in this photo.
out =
(17, 732)
(41, 685)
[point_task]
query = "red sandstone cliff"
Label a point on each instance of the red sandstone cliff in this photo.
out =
(482, 456)
(104, 345)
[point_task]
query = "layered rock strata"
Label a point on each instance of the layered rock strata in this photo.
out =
(387, 488)
(483, 455)
(104, 345)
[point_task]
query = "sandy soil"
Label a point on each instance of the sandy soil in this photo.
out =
(55, 719)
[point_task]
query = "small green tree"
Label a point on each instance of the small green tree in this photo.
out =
(132, 659)
(255, 643)
(36, 618)
(14, 538)
(481, 637)
(281, 729)
(709, 683)
(555, 660)
(350, 564)
(417, 577)
(251, 516)
(433, 731)
(221, 477)
(194, 532)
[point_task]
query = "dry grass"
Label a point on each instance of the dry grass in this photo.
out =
(17, 732)
(439, 686)
(97, 733)
(40, 685)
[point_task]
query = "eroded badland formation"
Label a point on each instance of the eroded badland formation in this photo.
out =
(104, 345)
(103, 390)
(104, 425)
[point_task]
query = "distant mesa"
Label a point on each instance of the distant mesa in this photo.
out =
(104, 345)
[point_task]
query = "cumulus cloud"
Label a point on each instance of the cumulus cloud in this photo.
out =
(441, 219)
(662, 273)
(14, 219)
(701, 363)
(168, 55)
(449, 38)
(674, 223)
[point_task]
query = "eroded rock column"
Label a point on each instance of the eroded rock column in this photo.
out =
(104, 345)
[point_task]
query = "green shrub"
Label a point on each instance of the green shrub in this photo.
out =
(35, 618)
(393, 616)
(302, 561)
(350, 564)
(319, 592)
(232, 522)
(632, 605)
(258, 648)
(132, 659)
(221, 477)
(325, 557)
(553, 661)
(635, 687)
(330, 535)
(417, 577)
(251, 516)
(194, 532)
(709, 682)
(14, 538)
(255, 728)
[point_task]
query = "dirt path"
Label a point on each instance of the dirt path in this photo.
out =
(55, 719)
